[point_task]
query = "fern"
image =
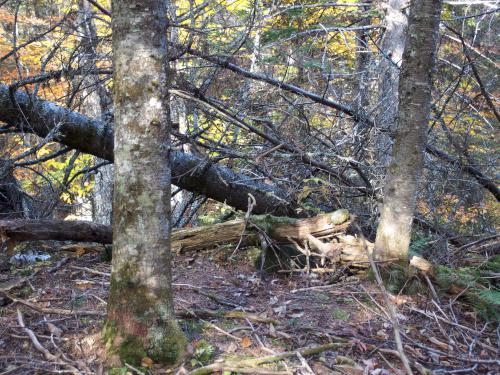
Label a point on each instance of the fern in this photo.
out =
(490, 296)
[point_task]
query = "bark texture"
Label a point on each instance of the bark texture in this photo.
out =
(415, 83)
(56, 230)
(141, 320)
(11, 197)
(392, 47)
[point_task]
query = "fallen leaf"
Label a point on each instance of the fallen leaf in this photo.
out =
(146, 362)
(83, 284)
(246, 342)
(80, 251)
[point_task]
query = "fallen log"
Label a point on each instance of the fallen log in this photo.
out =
(187, 239)
(301, 233)
(283, 230)
(280, 229)
(190, 172)
(20, 230)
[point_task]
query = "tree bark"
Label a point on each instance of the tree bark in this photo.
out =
(11, 197)
(19, 230)
(96, 104)
(388, 69)
(140, 319)
(415, 84)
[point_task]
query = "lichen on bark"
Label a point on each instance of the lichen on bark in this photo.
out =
(415, 83)
(141, 320)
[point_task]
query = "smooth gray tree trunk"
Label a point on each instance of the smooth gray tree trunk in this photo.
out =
(393, 44)
(405, 168)
(141, 319)
(97, 104)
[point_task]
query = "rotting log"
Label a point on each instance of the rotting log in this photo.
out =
(57, 230)
(280, 229)
(342, 248)
(283, 230)
(186, 239)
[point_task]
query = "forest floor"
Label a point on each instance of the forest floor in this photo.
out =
(52, 312)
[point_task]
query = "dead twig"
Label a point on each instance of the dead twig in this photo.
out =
(235, 314)
(47, 355)
(55, 311)
(90, 270)
(250, 364)
(390, 306)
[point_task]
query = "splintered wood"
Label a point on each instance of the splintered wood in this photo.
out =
(323, 235)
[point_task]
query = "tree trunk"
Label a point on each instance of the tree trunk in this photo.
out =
(415, 83)
(393, 44)
(363, 59)
(141, 320)
(96, 104)
(11, 197)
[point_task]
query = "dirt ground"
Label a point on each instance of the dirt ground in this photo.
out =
(52, 312)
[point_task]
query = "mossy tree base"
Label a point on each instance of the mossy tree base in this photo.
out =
(141, 322)
(164, 343)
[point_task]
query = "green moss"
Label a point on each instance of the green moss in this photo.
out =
(268, 222)
(132, 350)
(340, 314)
(194, 328)
(204, 351)
(481, 291)
(108, 335)
(397, 279)
(138, 299)
(463, 277)
(118, 370)
(339, 216)
(167, 343)
(320, 297)
(163, 341)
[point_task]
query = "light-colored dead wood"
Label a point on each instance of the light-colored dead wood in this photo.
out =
(308, 233)
(422, 265)
(278, 228)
